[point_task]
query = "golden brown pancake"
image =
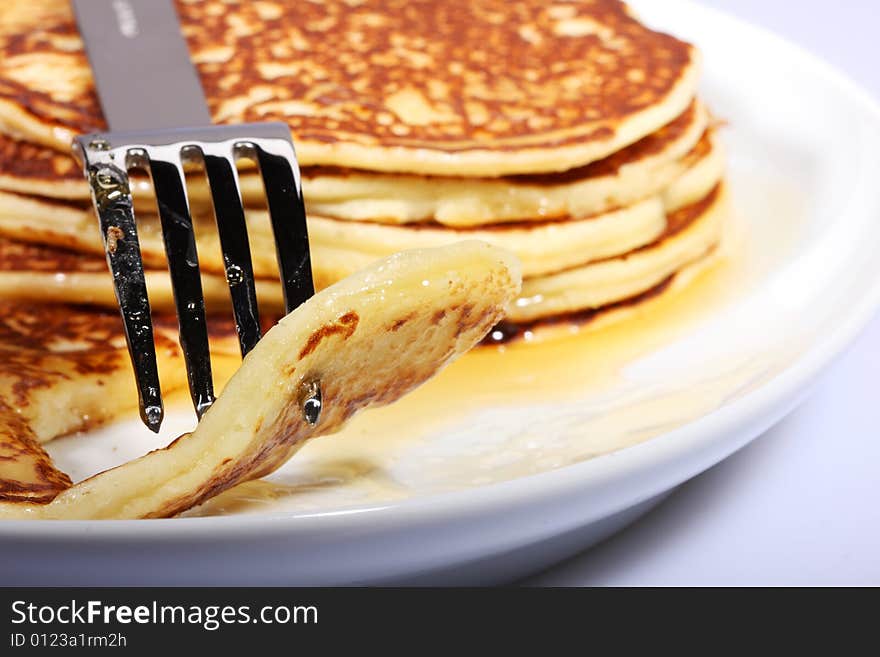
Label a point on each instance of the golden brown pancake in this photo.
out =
(627, 176)
(341, 247)
(39, 273)
(26, 471)
(544, 246)
(692, 233)
(37, 170)
(685, 235)
(467, 88)
(39, 259)
(28, 168)
(63, 369)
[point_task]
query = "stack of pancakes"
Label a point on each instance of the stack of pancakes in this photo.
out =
(567, 132)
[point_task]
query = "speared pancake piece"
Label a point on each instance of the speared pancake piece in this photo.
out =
(468, 88)
(366, 341)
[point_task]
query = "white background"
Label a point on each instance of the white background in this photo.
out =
(801, 505)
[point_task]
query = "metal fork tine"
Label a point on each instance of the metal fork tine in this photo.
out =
(288, 215)
(106, 158)
(232, 229)
(186, 283)
(112, 199)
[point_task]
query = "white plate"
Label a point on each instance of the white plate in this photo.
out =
(510, 461)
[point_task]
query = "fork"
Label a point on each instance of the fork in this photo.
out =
(159, 120)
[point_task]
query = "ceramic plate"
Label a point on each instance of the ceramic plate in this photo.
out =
(515, 458)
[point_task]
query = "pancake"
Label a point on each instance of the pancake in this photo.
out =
(74, 228)
(627, 176)
(591, 319)
(705, 162)
(484, 88)
(542, 246)
(693, 233)
(38, 170)
(26, 471)
(366, 341)
(340, 247)
(64, 369)
(36, 273)
(35, 169)
(632, 174)
(690, 232)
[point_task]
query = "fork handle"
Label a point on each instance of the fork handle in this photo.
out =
(141, 65)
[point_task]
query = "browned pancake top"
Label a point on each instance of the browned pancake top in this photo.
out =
(437, 74)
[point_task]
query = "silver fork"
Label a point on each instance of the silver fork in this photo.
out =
(154, 104)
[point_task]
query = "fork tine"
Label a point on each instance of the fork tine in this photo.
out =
(162, 153)
(232, 229)
(288, 215)
(186, 282)
(112, 200)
